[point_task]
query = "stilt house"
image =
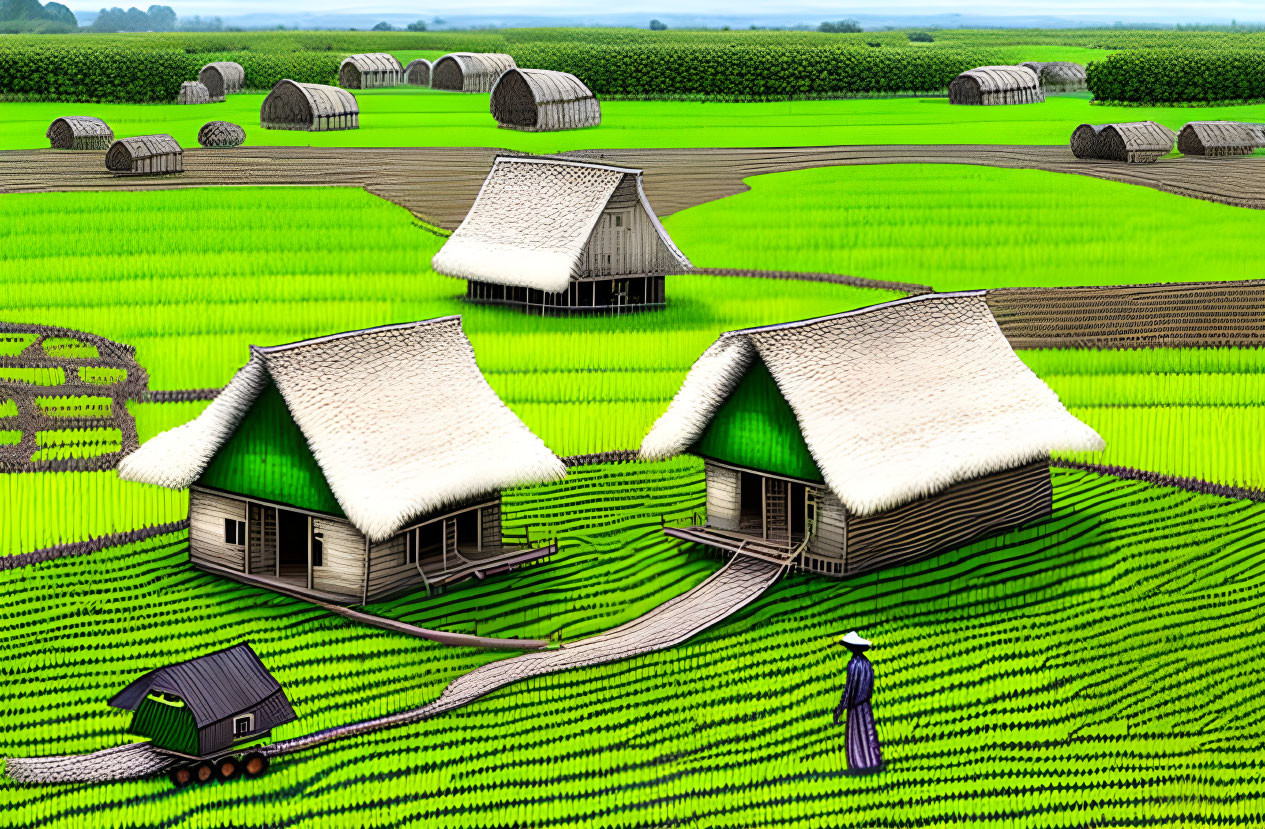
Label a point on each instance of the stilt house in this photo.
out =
(853, 442)
(556, 236)
(353, 467)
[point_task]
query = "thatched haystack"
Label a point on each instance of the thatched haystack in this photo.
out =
(79, 132)
(1058, 75)
(193, 92)
(309, 106)
(539, 100)
(991, 85)
(370, 71)
(417, 73)
(469, 71)
(221, 134)
(1220, 138)
(221, 78)
(1138, 142)
(145, 155)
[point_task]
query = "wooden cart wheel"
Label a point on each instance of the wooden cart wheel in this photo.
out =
(226, 768)
(255, 764)
(204, 772)
(182, 776)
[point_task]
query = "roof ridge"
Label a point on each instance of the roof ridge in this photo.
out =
(273, 349)
(855, 312)
(567, 162)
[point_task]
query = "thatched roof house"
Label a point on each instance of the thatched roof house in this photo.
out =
(469, 71)
(868, 437)
(309, 106)
(79, 132)
(221, 134)
(540, 100)
(145, 155)
(370, 71)
(1138, 142)
(352, 466)
(1059, 75)
(1220, 138)
(193, 92)
(560, 234)
(222, 78)
(204, 705)
(417, 73)
(989, 85)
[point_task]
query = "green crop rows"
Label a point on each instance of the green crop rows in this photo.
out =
(1125, 585)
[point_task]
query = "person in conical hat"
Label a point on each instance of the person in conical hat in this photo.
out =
(864, 754)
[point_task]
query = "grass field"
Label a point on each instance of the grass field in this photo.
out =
(407, 117)
(958, 227)
(1010, 689)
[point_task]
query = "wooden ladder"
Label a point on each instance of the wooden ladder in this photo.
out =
(776, 523)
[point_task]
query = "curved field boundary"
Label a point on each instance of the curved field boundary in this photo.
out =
(438, 185)
(833, 278)
(1196, 485)
(724, 593)
(91, 545)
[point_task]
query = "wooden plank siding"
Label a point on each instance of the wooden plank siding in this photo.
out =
(343, 557)
(207, 514)
(490, 519)
(631, 248)
(724, 499)
(830, 540)
(963, 512)
(262, 528)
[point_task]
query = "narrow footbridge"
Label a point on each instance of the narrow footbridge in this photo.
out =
(724, 593)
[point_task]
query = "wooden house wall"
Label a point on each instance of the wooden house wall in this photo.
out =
(963, 512)
(633, 248)
(388, 570)
(207, 513)
(830, 540)
(270, 713)
(491, 520)
(342, 567)
(724, 498)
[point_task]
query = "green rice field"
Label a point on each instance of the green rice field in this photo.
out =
(1127, 587)
(957, 227)
(409, 117)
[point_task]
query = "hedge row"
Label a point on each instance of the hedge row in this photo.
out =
(126, 75)
(330, 41)
(752, 72)
(1172, 76)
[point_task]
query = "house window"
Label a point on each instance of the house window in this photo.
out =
(234, 532)
(243, 725)
(619, 221)
(318, 549)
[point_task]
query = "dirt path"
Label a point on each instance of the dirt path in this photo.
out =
(439, 184)
(724, 593)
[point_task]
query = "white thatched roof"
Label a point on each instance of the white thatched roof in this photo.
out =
(399, 418)
(531, 221)
(895, 402)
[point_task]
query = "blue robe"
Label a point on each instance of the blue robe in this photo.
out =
(864, 754)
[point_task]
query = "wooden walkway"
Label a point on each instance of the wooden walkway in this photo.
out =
(438, 185)
(724, 593)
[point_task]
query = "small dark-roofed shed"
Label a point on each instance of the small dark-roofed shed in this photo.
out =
(469, 71)
(309, 106)
(221, 134)
(79, 132)
(145, 155)
(1138, 142)
(369, 71)
(221, 78)
(1220, 138)
(540, 100)
(990, 85)
(417, 73)
(206, 704)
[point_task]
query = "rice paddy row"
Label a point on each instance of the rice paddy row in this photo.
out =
(1006, 691)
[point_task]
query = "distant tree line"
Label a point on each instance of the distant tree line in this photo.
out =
(839, 26)
(154, 19)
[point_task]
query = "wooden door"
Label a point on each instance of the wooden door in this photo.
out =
(263, 539)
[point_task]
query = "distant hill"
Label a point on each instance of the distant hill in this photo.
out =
(31, 16)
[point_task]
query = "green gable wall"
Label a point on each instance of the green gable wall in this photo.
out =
(268, 458)
(169, 725)
(756, 428)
